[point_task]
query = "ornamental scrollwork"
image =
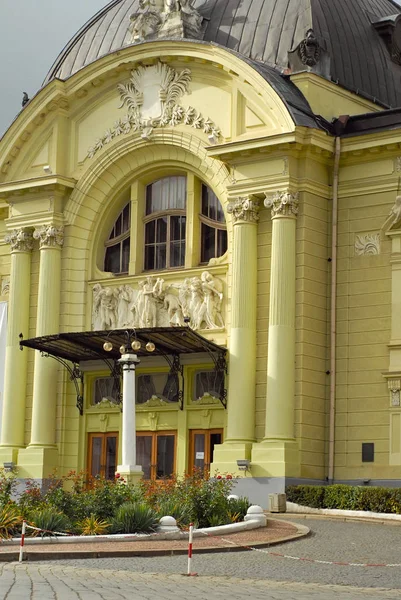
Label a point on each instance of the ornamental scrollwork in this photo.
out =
(20, 240)
(283, 203)
(49, 236)
(244, 209)
(152, 98)
(155, 304)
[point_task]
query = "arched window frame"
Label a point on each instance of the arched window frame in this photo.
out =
(117, 240)
(138, 217)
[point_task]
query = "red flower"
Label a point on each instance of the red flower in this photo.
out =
(218, 476)
(117, 475)
(229, 476)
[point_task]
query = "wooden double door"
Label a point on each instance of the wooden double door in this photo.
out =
(201, 448)
(103, 454)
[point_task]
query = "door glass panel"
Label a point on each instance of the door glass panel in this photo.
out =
(96, 456)
(111, 457)
(144, 453)
(215, 438)
(199, 450)
(165, 456)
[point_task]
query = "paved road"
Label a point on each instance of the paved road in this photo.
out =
(227, 575)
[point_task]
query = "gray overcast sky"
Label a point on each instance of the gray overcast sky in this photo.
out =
(32, 33)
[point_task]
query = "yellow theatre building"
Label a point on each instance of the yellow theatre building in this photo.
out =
(210, 191)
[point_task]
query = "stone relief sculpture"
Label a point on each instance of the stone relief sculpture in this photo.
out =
(155, 304)
(394, 217)
(152, 98)
(165, 18)
(368, 243)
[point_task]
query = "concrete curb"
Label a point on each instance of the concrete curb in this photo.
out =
(301, 531)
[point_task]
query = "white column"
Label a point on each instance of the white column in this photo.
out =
(129, 470)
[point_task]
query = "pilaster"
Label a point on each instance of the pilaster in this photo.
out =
(13, 425)
(277, 455)
(242, 360)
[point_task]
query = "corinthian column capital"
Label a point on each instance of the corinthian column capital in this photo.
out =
(20, 240)
(244, 209)
(49, 236)
(282, 204)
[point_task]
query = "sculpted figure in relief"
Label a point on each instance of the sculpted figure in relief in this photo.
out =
(104, 307)
(213, 292)
(155, 304)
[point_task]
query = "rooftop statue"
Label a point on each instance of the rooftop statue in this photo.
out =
(162, 19)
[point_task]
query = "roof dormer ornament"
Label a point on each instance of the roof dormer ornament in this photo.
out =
(165, 18)
(309, 49)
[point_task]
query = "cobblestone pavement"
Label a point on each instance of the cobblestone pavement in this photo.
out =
(227, 575)
(33, 582)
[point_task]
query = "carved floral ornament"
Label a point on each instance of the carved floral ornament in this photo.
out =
(20, 240)
(244, 209)
(49, 235)
(157, 304)
(152, 98)
(367, 244)
(283, 204)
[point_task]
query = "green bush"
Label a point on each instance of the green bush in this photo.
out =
(347, 497)
(238, 509)
(134, 518)
(50, 520)
(306, 495)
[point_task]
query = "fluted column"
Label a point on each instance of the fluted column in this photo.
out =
(240, 431)
(280, 402)
(241, 379)
(13, 422)
(43, 432)
(277, 456)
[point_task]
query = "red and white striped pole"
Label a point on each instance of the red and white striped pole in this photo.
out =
(191, 534)
(22, 543)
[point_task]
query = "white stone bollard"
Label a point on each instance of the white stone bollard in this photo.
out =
(232, 497)
(168, 525)
(255, 513)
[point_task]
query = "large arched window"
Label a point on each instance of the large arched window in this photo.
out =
(118, 245)
(165, 223)
(213, 226)
(165, 213)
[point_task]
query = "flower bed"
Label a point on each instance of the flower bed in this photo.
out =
(81, 505)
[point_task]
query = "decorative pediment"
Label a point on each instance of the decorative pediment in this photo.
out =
(205, 400)
(152, 98)
(154, 402)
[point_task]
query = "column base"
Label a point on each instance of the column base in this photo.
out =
(132, 474)
(276, 458)
(37, 462)
(226, 455)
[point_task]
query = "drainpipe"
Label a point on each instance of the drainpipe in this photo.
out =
(333, 310)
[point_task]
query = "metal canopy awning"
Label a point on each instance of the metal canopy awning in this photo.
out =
(72, 349)
(88, 345)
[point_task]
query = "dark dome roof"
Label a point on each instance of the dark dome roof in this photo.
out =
(265, 31)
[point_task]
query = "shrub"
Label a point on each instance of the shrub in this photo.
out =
(306, 495)
(50, 520)
(10, 519)
(89, 496)
(93, 526)
(238, 509)
(347, 497)
(134, 518)
(8, 486)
